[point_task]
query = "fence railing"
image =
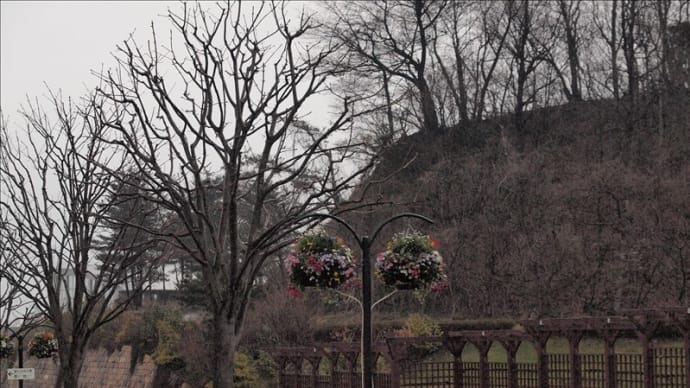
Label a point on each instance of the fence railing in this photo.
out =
(654, 367)
(669, 372)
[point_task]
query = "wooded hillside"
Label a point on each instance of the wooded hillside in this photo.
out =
(586, 211)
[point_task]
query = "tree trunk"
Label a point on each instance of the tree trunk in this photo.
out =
(390, 135)
(570, 22)
(520, 97)
(614, 52)
(428, 108)
(628, 21)
(70, 368)
(662, 10)
(462, 87)
(520, 56)
(223, 355)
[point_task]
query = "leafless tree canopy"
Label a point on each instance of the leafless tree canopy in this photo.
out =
(471, 60)
(55, 198)
(216, 112)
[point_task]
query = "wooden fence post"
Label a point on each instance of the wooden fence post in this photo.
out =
(333, 361)
(609, 339)
(282, 364)
(686, 338)
(539, 338)
(456, 344)
(483, 345)
(646, 326)
(609, 330)
(542, 364)
(353, 368)
(574, 337)
(397, 352)
(511, 347)
(315, 362)
(647, 360)
(681, 319)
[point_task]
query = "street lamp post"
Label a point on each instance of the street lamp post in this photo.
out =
(365, 243)
(20, 350)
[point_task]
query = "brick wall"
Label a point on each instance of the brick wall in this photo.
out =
(100, 370)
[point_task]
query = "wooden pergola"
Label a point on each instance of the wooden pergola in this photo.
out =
(644, 324)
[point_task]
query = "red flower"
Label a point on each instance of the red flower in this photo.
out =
(293, 292)
(438, 287)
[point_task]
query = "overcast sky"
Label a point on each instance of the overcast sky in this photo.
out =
(60, 42)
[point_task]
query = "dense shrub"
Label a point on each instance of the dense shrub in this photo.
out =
(280, 319)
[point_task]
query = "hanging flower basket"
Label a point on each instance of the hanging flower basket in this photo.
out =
(6, 347)
(410, 262)
(43, 345)
(318, 260)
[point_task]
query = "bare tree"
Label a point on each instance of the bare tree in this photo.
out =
(569, 12)
(662, 10)
(16, 311)
(374, 96)
(610, 33)
(120, 240)
(229, 101)
(495, 26)
(54, 202)
(455, 77)
(17, 316)
(527, 53)
(629, 24)
(395, 37)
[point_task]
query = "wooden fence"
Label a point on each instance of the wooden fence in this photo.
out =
(670, 372)
(336, 365)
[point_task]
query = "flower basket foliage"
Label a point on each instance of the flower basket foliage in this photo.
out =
(5, 346)
(318, 260)
(410, 262)
(43, 345)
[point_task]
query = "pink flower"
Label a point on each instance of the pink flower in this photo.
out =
(293, 292)
(414, 272)
(290, 261)
(438, 287)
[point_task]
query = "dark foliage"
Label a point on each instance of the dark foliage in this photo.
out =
(590, 216)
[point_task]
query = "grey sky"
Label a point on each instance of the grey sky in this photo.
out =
(60, 42)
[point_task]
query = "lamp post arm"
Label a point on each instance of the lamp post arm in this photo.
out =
(391, 219)
(382, 299)
(348, 296)
(20, 348)
(337, 219)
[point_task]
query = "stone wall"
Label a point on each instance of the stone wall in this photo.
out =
(101, 369)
